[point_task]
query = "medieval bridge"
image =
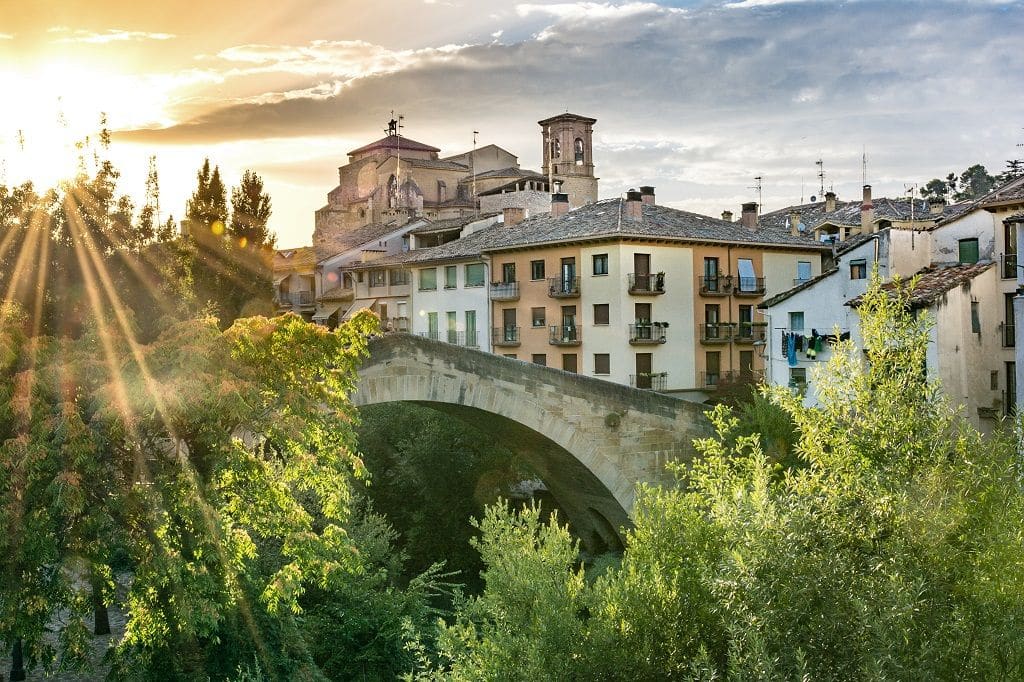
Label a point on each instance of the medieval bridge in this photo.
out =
(591, 441)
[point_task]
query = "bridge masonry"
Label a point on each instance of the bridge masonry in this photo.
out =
(592, 441)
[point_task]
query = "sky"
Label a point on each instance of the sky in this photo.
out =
(695, 98)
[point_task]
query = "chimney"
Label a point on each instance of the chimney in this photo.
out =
(830, 201)
(794, 223)
(634, 205)
(727, 216)
(749, 215)
(867, 213)
(936, 205)
(513, 215)
(647, 194)
(559, 204)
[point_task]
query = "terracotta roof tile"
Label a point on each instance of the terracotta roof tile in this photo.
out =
(933, 282)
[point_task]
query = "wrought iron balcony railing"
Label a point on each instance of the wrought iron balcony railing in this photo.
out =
(643, 333)
(646, 285)
(564, 287)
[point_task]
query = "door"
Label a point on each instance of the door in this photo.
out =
(1009, 328)
(1009, 250)
(508, 273)
(453, 326)
(642, 312)
(471, 339)
(642, 271)
(508, 319)
(713, 365)
(568, 323)
(746, 321)
(748, 280)
(711, 321)
(747, 364)
(644, 367)
(382, 309)
(432, 326)
(711, 274)
(568, 275)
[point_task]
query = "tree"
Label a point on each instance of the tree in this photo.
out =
(250, 211)
(1014, 169)
(974, 183)
(208, 205)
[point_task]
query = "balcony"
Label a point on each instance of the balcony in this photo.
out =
(395, 324)
(751, 332)
(467, 339)
(749, 286)
(295, 299)
(1008, 265)
(564, 335)
(651, 381)
(647, 333)
(715, 380)
(564, 287)
(505, 337)
(504, 291)
(646, 285)
(1009, 334)
(715, 332)
(718, 285)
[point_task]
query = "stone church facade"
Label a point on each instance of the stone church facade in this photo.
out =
(397, 179)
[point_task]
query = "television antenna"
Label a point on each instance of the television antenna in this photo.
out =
(821, 175)
(757, 186)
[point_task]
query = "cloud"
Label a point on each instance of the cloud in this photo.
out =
(111, 35)
(6, 36)
(696, 102)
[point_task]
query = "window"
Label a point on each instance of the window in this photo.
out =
(803, 270)
(975, 318)
(453, 326)
(451, 277)
(510, 356)
(601, 264)
(711, 275)
(1010, 402)
(475, 275)
(859, 269)
(378, 278)
(396, 277)
(798, 377)
(796, 321)
(540, 359)
(969, 250)
(993, 380)
(746, 363)
(536, 270)
(748, 280)
(537, 315)
(713, 365)
(359, 277)
(428, 279)
(600, 313)
(432, 326)
(471, 329)
(569, 362)
(556, 148)
(578, 149)
(602, 363)
(508, 273)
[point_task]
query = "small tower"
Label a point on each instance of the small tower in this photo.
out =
(568, 156)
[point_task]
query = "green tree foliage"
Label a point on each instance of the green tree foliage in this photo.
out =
(891, 551)
(209, 202)
(973, 183)
(250, 211)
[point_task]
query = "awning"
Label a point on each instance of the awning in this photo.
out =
(278, 280)
(359, 305)
(326, 310)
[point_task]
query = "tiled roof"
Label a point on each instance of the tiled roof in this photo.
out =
(439, 164)
(291, 260)
(511, 186)
(607, 219)
(779, 298)
(353, 238)
(395, 142)
(470, 246)
(510, 172)
(1011, 192)
(847, 213)
(337, 293)
(933, 282)
(453, 223)
(568, 116)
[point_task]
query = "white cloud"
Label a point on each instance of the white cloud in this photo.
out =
(111, 35)
(593, 11)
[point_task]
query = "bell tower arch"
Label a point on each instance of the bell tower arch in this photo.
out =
(568, 156)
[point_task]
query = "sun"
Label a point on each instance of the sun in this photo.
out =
(57, 106)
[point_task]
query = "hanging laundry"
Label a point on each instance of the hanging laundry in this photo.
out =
(791, 350)
(799, 342)
(819, 344)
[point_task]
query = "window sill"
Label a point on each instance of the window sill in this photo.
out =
(422, 289)
(600, 274)
(473, 286)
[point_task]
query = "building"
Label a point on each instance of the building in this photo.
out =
(640, 294)
(294, 273)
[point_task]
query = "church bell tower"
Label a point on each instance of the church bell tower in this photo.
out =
(568, 156)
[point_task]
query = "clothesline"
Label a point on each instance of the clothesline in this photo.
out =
(793, 343)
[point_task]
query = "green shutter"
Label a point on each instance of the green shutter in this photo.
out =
(968, 250)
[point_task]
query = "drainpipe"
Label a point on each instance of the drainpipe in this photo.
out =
(489, 304)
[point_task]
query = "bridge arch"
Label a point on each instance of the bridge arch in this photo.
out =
(592, 441)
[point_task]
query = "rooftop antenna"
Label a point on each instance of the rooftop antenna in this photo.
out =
(395, 128)
(821, 175)
(472, 170)
(757, 186)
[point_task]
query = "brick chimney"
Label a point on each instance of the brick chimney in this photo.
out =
(727, 216)
(794, 223)
(634, 205)
(936, 205)
(749, 215)
(559, 204)
(513, 215)
(867, 213)
(830, 201)
(647, 194)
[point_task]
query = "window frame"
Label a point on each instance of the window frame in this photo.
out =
(451, 277)
(859, 268)
(599, 258)
(607, 359)
(543, 321)
(533, 271)
(471, 283)
(607, 314)
(419, 279)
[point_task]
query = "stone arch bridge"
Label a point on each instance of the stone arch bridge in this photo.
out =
(591, 441)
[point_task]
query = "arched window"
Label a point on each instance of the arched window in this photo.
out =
(442, 191)
(556, 148)
(392, 192)
(578, 145)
